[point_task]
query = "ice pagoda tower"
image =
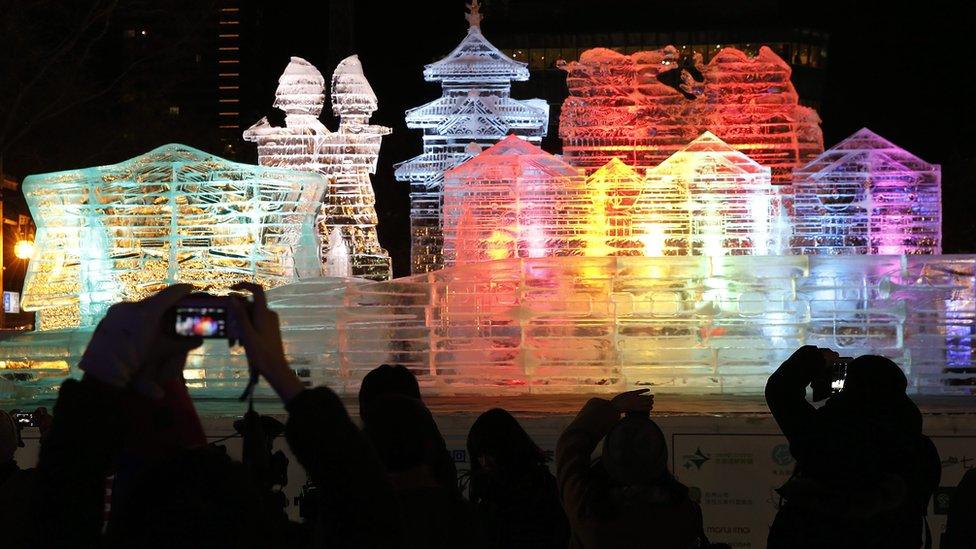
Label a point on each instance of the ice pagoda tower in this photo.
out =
(475, 111)
(347, 156)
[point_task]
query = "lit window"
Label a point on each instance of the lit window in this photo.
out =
(174, 110)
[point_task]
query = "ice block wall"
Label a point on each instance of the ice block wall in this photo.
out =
(346, 157)
(866, 195)
(692, 324)
(645, 106)
(475, 111)
(175, 214)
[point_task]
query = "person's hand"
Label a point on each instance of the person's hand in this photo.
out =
(261, 337)
(634, 401)
(130, 348)
(821, 380)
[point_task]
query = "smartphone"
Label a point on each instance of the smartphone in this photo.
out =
(23, 419)
(201, 315)
(838, 373)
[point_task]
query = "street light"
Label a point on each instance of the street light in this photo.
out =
(24, 249)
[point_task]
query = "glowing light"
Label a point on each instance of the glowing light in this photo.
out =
(347, 156)
(175, 214)
(474, 111)
(643, 107)
(867, 196)
(514, 188)
(24, 249)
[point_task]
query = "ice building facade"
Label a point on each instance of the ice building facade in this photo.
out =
(645, 106)
(475, 111)
(707, 199)
(866, 195)
(175, 214)
(514, 200)
(346, 156)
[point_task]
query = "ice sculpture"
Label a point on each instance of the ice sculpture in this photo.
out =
(475, 110)
(706, 199)
(514, 200)
(175, 214)
(347, 156)
(645, 106)
(865, 195)
(692, 324)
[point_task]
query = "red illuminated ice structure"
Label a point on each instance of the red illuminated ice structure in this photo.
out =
(865, 195)
(514, 200)
(645, 106)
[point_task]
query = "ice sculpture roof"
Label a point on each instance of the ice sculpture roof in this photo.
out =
(514, 150)
(708, 142)
(861, 143)
(475, 59)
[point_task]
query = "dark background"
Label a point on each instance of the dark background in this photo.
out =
(81, 85)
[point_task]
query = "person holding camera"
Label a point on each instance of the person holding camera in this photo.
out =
(628, 498)
(132, 401)
(864, 471)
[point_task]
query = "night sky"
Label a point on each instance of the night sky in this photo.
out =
(903, 69)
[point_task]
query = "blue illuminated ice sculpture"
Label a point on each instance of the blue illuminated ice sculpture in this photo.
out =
(175, 214)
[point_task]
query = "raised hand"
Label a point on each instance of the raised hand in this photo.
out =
(634, 401)
(261, 337)
(130, 348)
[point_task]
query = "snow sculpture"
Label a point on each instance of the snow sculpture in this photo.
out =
(645, 106)
(175, 214)
(475, 108)
(347, 156)
(865, 195)
(514, 200)
(706, 199)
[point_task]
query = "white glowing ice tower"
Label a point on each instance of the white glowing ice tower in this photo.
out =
(866, 195)
(474, 111)
(347, 156)
(175, 214)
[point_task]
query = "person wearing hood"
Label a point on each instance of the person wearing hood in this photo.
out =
(628, 498)
(864, 471)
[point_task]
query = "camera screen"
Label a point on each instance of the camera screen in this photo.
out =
(201, 322)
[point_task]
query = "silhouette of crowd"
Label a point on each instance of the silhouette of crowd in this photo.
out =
(864, 472)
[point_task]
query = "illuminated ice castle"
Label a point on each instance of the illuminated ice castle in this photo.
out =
(643, 107)
(475, 110)
(175, 214)
(347, 157)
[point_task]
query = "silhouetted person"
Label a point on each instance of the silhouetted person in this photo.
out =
(387, 380)
(960, 530)
(433, 513)
(514, 495)
(132, 402)
(18, 487)
(864, 471)
(628, 499)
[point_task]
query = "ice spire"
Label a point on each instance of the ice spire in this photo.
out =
(473, 14)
